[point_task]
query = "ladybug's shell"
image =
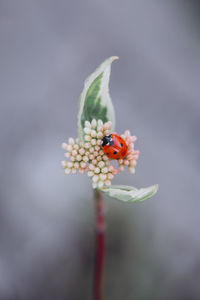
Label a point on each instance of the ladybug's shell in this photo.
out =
(117, 147)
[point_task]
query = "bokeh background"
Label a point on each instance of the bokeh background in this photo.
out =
(47, 48)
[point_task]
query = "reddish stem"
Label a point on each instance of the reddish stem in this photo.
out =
(99, 246)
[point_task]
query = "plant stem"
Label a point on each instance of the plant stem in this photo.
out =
(99, 245)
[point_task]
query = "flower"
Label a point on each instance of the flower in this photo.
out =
(88, 155)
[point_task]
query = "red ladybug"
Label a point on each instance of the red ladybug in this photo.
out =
(114, 146)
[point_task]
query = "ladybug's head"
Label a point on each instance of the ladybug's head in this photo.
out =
(107, 140)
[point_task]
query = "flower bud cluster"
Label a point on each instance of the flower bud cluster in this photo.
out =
(78, 157)
(130, 160)
(99, 168)
(88, 155)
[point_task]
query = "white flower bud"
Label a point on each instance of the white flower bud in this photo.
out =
(111, 168)
(91, 149)
(104, 170)
(81, 151)
(100, 129)
(133, 163)
(110, 176)
(127, 133)
(130, 157)
(63, 164)
(126, 162)
(99, 142)
(101, 152)
(79, 157)
(120, 161)
(91, 156)
(107, 182)
(67, 154)
(72, 158)
(106, 126)
(91, 167)
(82, 144)
(94, 161)
(128, 140)
(69, 164)
(99, 135)
(105, 157)
(130, 146)
(73, 171)
(87, 145)
(69, 148)
(94, 185)
(83, 165)
(100, 184)
(64, 146)
(76, 165)
(133, 138)
(71, 141)
(87, 130)
(109, 124)
(94, 123)
(93, 133)
(97, 170)
(76, 147)
(97, 148)
(99, 158)
(90, 173)
(131, 170)
(93, 141)
(121, 168)
(85, 158)
(67, 171)
(101, 164)
(102, 177)
(132, 152)
(81, 171)
(87, 138)
(100, 123)
(96, 153)
(135, 156)
(95, 178)
(74, 152)
(87, 124)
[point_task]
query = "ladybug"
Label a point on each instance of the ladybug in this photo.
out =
(114, 146)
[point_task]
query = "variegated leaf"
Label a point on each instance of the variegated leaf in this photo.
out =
(130, 194)
(95, 101)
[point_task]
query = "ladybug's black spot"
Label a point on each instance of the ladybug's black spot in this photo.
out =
(115, 152)
(121, 144)
(107, 153)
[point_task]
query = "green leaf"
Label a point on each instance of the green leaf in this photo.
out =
(95, 101)
(130, 194)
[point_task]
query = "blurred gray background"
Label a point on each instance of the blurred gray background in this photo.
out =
(47, 48)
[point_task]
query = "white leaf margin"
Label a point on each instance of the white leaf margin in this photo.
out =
(130, 194)
(104, 67)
